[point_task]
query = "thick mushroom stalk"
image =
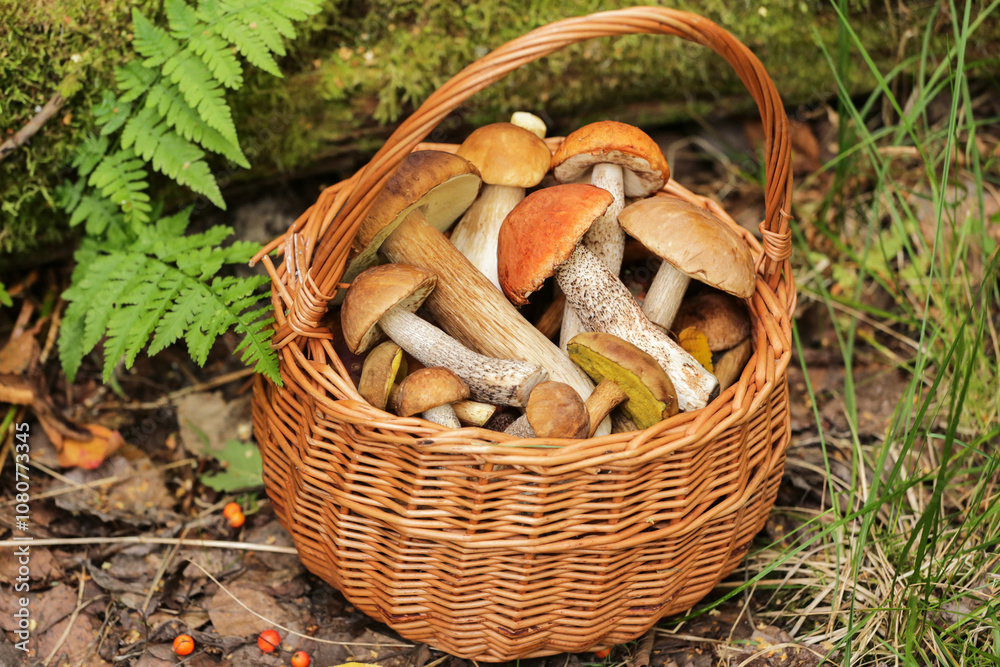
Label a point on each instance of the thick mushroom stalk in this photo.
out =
(491, 380)
(605, 304)
(621, 159)
(384, 298)
(475, 235)
(665, 294)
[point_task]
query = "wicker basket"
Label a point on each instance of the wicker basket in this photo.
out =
(491, 551)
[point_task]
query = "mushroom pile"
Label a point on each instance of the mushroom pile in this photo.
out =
(458, 247)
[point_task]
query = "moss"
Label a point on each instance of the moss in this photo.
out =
(360, 66)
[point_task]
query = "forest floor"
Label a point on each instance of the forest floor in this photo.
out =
(824, 580)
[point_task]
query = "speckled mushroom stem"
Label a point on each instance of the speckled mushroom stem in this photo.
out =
(664, 296)
(443, 415)
(606, 238)
(475, 235)
(476, 313)
(605, 304)
(502, 381)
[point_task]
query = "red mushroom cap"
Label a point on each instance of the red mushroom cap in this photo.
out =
(542, 231)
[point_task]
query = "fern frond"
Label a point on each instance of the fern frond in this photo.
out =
(201, 92)
(110, 113)
(96, 212)
(149, 292)
(171, 105)
(5, 299)
(212, 49)
(89, 154)
(120, 177)
(151, 41)
(134, 80)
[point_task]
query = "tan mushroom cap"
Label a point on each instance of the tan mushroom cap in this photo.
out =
(721, 317)
(542, 231)
(441, 185)
(693, 241)
(555, 410)
(429, 388)
(506, 154)
(651, 395)
(382, 365)
(373, 293)
(645, 168)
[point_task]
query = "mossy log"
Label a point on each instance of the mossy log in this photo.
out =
(358, 67)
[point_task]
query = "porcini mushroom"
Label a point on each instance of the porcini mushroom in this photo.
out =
(431, 392)
(382, 366)
(510, 159)
(609, 359)
(541, 237)
(621, 159)
(384, 298)
(464, 303)
(554, 410)
(721, 317)
(693, 243)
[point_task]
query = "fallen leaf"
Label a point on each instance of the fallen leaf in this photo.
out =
(230, 619)
(140, 497)
(90, 454)
(243, 468)
(207, 421)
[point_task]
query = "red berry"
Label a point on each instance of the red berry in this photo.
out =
(268, 641)
(237, 520)
(231, 509)
(183, 645)
(301, 659)
(602, 653)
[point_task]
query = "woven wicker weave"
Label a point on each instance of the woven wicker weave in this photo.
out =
(492, 551)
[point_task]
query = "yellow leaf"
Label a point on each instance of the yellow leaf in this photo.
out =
(696, 344)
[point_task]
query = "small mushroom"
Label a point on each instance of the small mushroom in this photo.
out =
(621, 159)
(384, 298)
(510, 159)
(554, 410)
(731, 363)
(692, 243)
(530, 122)
(541, 236)
(431, 392)
(383, 365)
(604, 357)
(474, 413)
(721, 317)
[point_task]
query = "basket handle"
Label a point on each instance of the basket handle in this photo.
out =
(331, 252)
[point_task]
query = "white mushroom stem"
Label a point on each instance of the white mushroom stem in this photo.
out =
(605, 304)
(606, 238)
(443, 415)
(664, 296)
(474, 311)
(476, 233)
(501, 381)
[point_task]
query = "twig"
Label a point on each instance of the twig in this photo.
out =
(34, 125)
(286, 629)
(164, 564)
(142, 539)
(80, 606)
(50, 338)
(169, 398)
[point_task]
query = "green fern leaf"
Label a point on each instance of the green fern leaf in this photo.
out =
(182, 161)
(120, 177)
(110, 113)
(96, 212)
(152, 41)
(249, 42)
(170, 104)
(134, 80)
(212, 49)
(89, 154)
(201, 92)
(5, 296)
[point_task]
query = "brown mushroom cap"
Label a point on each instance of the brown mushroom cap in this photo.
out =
(555, 410)
(693, 241)
(506, 154)
(542, 231)
(721, 317)
(441, 185)
(373, 293)
(428, 388)
(382, 365)
(651, 395)
(645, 167)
